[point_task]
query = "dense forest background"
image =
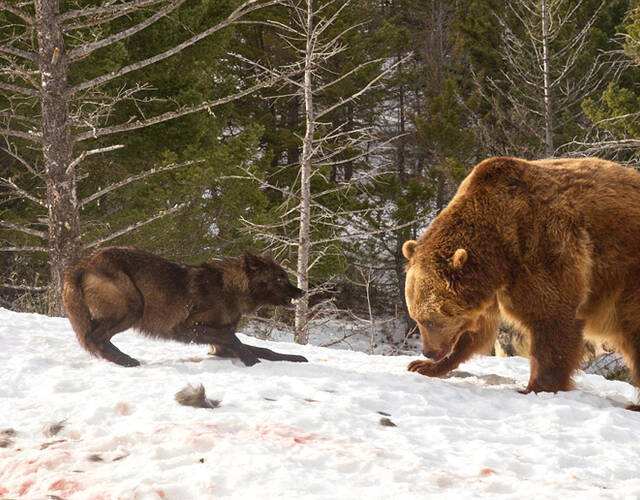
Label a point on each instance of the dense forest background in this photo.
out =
(420, 91)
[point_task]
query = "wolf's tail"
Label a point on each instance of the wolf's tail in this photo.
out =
(76, 307)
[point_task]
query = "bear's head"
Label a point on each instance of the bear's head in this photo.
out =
(444, 296)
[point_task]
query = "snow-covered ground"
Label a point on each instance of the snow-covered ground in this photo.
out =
(294, 431)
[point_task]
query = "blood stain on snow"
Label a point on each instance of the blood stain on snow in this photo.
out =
(24, 487)
(285, 433)
(303, 439)
(65, 486)
(161, 493)
(487, 471)
(123, 409)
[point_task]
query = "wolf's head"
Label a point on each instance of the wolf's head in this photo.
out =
(268, 281)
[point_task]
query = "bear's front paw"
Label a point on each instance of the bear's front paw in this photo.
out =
(428, 368)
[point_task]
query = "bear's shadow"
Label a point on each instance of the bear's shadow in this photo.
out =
(491, 379)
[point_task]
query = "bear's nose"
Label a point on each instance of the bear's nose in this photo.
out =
(430, 354)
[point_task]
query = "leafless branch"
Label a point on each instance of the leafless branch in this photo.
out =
(24, 287)
(363, 90)
(92, 152)
(137, 225)
(16, 11)
(10, 151)
(120, 9)
(172, 115)
(8, 132)
(18, 89)
(246, 8)
(137, 177)
(23, 229)
(25, 194)
(24, 54)
(87, 49)
(23, 249)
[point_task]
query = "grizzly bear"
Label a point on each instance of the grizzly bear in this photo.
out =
(118, 288)
(549, 245)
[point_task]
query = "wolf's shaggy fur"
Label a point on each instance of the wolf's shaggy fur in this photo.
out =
(118, 288)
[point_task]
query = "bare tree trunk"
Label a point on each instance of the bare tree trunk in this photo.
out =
(64, 225)
(548, 109)
(304, 237)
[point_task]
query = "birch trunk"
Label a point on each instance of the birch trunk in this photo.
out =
(548, 105)
(304, 236)
(57, 147)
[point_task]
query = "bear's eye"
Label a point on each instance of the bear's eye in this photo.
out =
(429, 324)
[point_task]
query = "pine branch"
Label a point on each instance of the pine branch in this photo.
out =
(87, 49)
(246, 8)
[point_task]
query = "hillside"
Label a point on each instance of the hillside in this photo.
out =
(321, 430)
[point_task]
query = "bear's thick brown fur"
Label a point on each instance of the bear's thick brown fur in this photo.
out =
(550, 245)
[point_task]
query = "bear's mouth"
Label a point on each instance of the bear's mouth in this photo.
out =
(440, 355)
(447, 351)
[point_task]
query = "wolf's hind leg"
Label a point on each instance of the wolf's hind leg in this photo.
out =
(117, 305)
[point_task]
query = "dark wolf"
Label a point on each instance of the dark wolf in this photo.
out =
(118, 288)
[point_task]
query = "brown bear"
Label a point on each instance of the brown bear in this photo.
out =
(551, 246)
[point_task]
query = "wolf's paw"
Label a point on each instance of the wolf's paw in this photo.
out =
(129, 362)
(294, 358)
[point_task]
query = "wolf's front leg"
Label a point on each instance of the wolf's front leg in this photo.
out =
(270, 355)
(228, 345)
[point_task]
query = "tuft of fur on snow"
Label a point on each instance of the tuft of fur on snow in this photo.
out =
(194, 395)
(51, 430)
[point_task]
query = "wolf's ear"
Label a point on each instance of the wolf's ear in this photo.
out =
(252, 262)
(409, 248)
(459, 259)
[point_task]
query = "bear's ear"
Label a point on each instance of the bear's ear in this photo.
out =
(459, 259)
(409, 248)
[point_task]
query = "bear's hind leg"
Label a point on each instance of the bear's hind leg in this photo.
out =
(630, 347)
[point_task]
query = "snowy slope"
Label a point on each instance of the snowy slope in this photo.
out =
(298, 430)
